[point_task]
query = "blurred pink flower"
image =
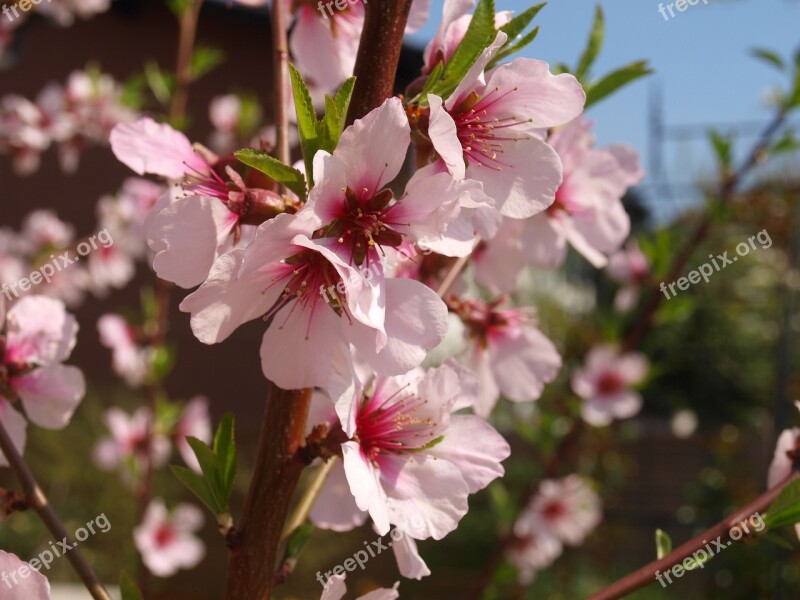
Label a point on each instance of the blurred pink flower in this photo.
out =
(588, 211)
(335, 589)
(606, 384)
(127, 446)
(128, 360)
(32, 586)
(195, 421)
(506, 352)
(630, 268)
(167, 540)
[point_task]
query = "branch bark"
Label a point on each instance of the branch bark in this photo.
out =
(378, 55)
(38, 501)
(277, 471)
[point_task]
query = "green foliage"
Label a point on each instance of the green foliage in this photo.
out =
(218, 466)
(479, 36)
(593, 46)
(615, 81)
(298, 540)
(663, 544)
(316, 134)
(786, 508)
(272, 167)
(515, 29)
(769, 57)
(128, 588)
(723, 149)
(161, 83)
(204, 60)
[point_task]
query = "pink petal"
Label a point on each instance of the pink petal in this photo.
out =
(51, 394)
(336, 509)
(15, 425)
(365, 486)
(33, 586)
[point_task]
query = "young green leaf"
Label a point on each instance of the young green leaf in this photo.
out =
(479, 36)
(615, 81)
(769, 57)
(204, 60)
(128, 588)
(663, 544)
(514, 29)
(723, 149)
(199, 486)
(298, 540)
(508, 50)
(786, 508)
(593, 46)
(225, 451)
(272, 167)
(307, 122)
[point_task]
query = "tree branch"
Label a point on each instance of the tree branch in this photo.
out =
(38, 501)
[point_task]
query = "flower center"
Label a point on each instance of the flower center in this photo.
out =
(481, 134)
(554, 510)
(365, 225)
(389, 425)
(165, 535)
(609, 383)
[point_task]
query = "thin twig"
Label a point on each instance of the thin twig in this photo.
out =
(38, 501)
(647, 574)
(183, 71)
(280, 66)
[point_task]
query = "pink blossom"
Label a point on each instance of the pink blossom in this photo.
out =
(33, 586)
(784, 459)
(588, 211)
(39, 336)
(409, 461)
(506, 352)
(194, 421)
(605, 383)
(563, 511)
(204, 220)
(129, 435)
(166, 539)
(128, 360)
(65, 11)
(335, 589)
(630, 268)
(313, 299)
(487, 130)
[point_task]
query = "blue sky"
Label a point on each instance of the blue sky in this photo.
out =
(701, 61)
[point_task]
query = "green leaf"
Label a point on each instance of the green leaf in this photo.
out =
(128, 588)
(723, 148)
(178, 7)
(769, 57)
(593, 46)
(615, 81)
(225, 451)
(204, 60)
(786, 144)
(786, 508)
(298, 540)
(272, 167)
(307, 123)
(343, 97)
(162, 84)
(663, 544)
(514, 29)
(199, 486)
(479, 36)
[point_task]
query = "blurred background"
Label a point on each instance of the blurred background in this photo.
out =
(725, 353)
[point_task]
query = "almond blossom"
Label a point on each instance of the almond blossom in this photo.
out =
(313, 299)
(506, 352)
(128, 359)
(203, 219)
(166, 539)
(128, 444)
(588, 212)
(411, 462)
(487, 130)
(606, 382)
(13, 586)
(335, 589)
(784, 459)
(630, 268)
(38, 337)
(195, 421)
(563, 511)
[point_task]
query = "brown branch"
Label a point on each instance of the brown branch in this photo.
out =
(275, 477)
(378, 55)
(280, 67)
(647, 574)
(38, 501)
(183, 70)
